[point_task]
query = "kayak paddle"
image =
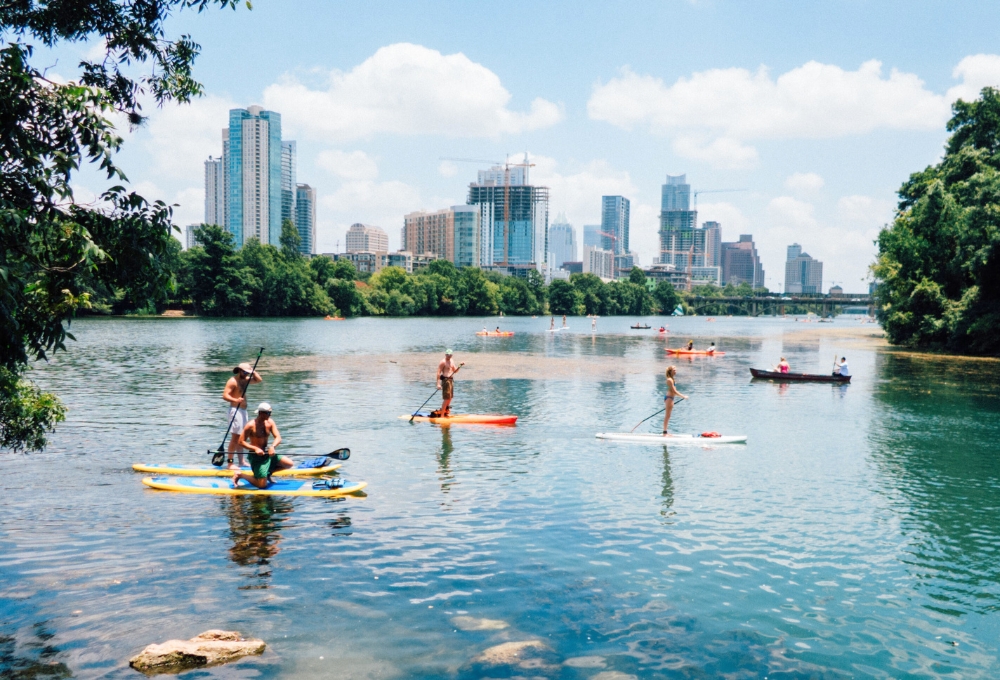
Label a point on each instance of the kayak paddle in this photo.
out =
(655, 414)
(219, 454)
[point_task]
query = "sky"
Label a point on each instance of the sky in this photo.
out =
(798, 120)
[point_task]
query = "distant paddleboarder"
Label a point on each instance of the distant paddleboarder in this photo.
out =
(668, 401)
(552, 325)
(263, 459)
(236, 387)
(564, 321)
(446, 371)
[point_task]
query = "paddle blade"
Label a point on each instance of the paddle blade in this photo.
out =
(341, 454)
(218, 457)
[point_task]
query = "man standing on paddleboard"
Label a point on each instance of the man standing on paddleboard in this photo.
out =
(263, 459)
(446, 383)
(233, 394)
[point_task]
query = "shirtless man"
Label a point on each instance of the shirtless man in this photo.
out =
(263, 460)
(233, 394)
(446, 382)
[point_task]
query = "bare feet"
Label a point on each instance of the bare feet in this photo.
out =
(233, 466)
(236, 480)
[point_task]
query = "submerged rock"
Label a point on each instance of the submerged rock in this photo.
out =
(509, 653)
(472, 623)
(211, 648)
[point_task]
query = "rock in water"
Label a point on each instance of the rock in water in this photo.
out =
(211, 648)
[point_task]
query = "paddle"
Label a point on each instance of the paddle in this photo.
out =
(338, 454)
(219, 454)
(655, 414)
(417, 412)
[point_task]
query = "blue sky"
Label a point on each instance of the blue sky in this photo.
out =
(818, 110)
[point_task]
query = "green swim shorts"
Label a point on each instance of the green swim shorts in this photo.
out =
(261, 465)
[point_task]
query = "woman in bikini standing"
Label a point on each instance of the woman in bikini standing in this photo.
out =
(668, 401)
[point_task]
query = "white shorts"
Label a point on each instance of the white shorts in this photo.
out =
(240, 421)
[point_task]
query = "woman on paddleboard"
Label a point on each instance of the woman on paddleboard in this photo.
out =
(668, 401)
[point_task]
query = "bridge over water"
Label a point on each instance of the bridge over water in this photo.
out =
(824, 305)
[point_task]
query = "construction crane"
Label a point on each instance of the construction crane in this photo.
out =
(507, 165)
(714, 191)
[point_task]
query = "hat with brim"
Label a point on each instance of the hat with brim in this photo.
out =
(245, 367)
(264, 406)
(448, 352)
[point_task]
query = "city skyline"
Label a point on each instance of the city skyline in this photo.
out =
(821, 130)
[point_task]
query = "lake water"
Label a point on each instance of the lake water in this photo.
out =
(856, 534)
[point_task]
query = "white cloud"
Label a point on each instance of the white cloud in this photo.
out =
(379, 203)
(732, 219)
(804, 182)
(723, 152)
(976, 72)
(447, 169)
(406, 89)
(864, 211)
(179, 138)
(353, 165)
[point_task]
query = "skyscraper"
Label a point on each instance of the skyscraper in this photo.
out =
(803, 274)
(365, 238)
(614, 224)
(513, 217)
(253, 167)
(189, 239)
(451, 234)
(690, 249)
(741, 264)
(305, 218)
(288, 184)
(215, 192)
(562, 241)
(592, 235)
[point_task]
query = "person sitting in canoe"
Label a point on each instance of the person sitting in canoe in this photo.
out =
(233, 393)
(446, 371)
(263, 459)
(711, 349)
(498, 330)
(841, 367)
(690, 345)
(783, 366)
(668, 401)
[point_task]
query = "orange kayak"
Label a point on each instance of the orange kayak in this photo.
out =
(501, 334)
(694, 351)
(464, 419)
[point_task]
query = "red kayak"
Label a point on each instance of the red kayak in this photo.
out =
(464, 419)
(694, 351)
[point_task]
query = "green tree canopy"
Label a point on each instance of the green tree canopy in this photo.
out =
(938, 266)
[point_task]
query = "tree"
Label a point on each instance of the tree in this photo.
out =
(52, 249)
(666, 297)
(290, 240)
(938, 262)
(594, 293)
(480, 294)
(637, 276)
(214, 275)
(564, 298)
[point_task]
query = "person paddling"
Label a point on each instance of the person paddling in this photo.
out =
(552, 324)
(263, 459)
(711, 349)
(840, 368)
(233, 394)
(690, 345)
(668, 401)
(446, 371)
(783, 366)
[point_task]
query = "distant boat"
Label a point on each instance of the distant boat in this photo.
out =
(798, 377)
(640, 328)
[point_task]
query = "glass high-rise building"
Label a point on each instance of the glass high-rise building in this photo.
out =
(305, 218)
(215, 191)
(803, 274)
(592, 235)
(254, 174)
(513, 217)
(562, 241)
(682, 244)
(288, 183)
(741, 264)
(614, 224)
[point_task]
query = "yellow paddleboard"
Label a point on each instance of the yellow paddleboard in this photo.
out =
(281, 487)
(212, 471)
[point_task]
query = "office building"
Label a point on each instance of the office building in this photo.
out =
(365, 238)
(215, 192)
(682, 244)
(451, 234)
(365, 263)
(573, 267)
(836, 290)
(253, 168)
(189, 239)
(624, 264)
(741, 264)
(614, 224)
(513, 218)
(599, 262)
(562, 241)
(803, 274)
(592, 235)
(288, 185)
(305, 218)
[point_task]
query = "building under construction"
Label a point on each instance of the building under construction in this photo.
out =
(514, 218)
(682, 244)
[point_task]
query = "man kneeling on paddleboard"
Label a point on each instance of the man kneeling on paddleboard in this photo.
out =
(263, 459)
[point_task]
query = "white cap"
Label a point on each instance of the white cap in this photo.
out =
(263, 406)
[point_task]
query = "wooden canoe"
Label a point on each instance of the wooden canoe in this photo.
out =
(798, 377)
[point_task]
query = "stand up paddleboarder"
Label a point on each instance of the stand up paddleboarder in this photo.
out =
(263, 459)
(236, 387)
(446, 371)
(668, 401)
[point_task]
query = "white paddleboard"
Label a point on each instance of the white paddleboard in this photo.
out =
(671, 439)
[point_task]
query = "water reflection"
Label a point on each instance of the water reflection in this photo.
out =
(444, 460)
(946, 489)
(255, 524)
(667, 511)
(34, 658)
